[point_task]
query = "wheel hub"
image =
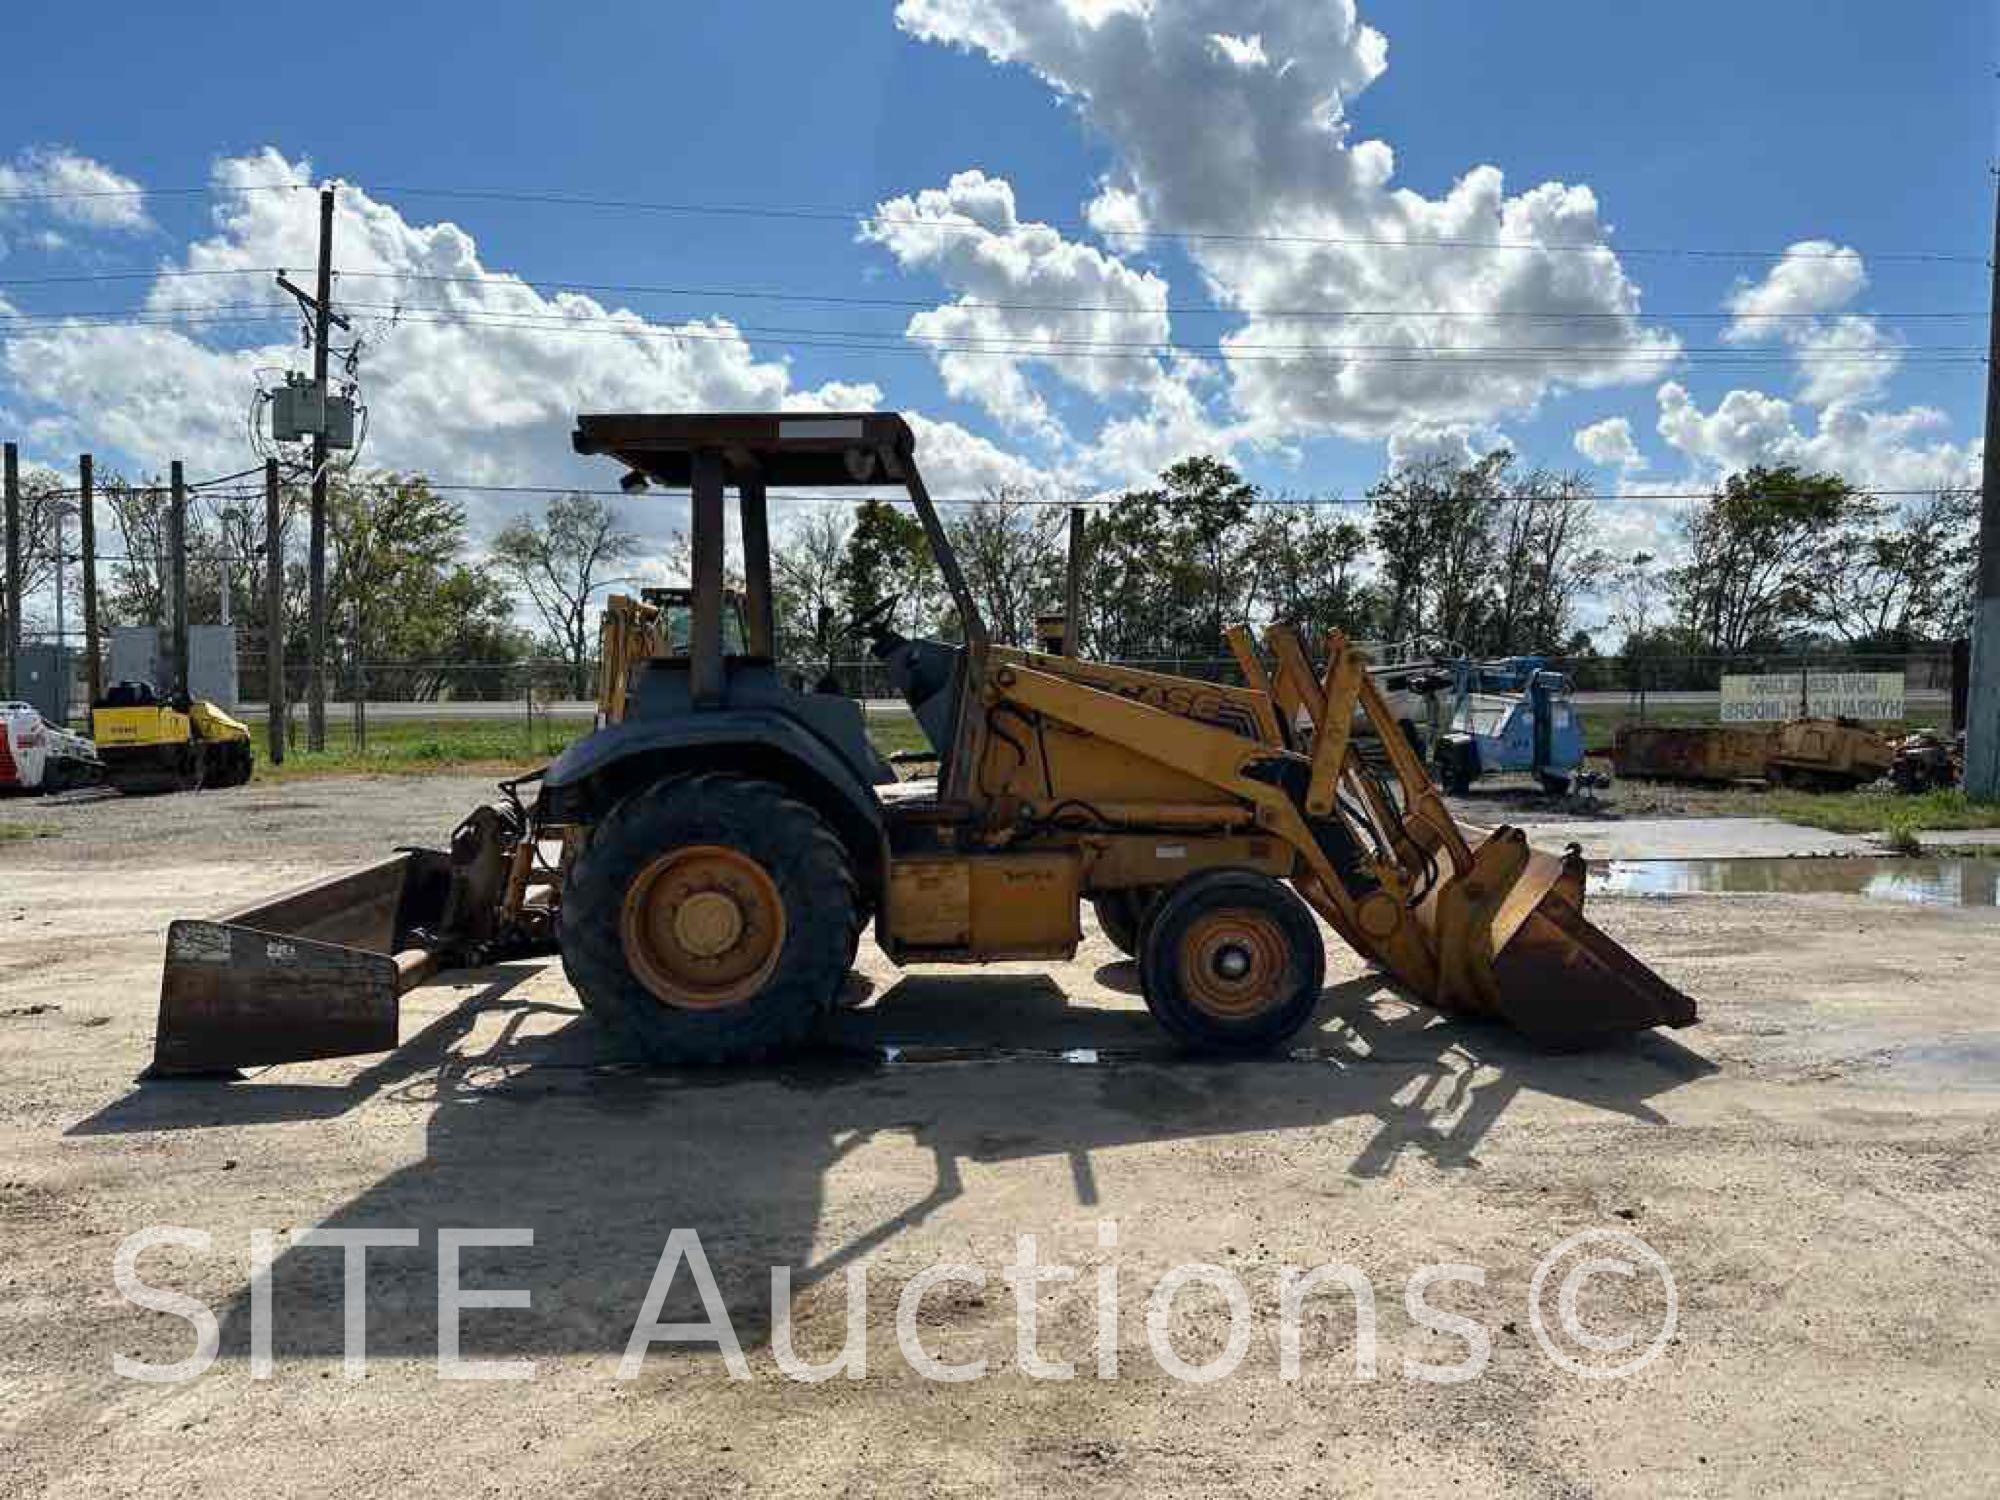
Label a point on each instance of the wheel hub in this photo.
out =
(1231, 962)
(703, 927)
(708, 923)
(1234, 964)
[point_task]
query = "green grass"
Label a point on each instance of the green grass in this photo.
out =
(415, 747)
(9, 832)
(896, 731)
(1881, 812)
(419, 746)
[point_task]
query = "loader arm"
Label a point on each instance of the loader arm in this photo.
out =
(1503, 923)
(1249, 771)
(1494, 931)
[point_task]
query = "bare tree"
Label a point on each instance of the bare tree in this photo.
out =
(141, 574)
(1639, 595)
(1544, 526)
(41, 502)
(563, 563)
(806, 587)
(1010, 546)
(1906, 575)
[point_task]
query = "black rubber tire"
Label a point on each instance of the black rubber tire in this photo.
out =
(1164, 987)
(1553, 784)
(802, 857)
(1455, 766)
(226, 763)
(1123, 914)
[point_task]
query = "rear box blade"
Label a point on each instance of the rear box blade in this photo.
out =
(313, 973)
(233, 997)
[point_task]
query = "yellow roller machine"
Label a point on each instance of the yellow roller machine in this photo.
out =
(150, 744)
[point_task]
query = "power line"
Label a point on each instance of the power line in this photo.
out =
(801, 213)
(965, 225)
(899, 342)
(842, 299)
(612, 323)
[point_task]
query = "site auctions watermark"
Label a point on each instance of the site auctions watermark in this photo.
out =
(1613, 1341)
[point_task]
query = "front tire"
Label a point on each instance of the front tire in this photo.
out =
(1232, 962)
(710, 920)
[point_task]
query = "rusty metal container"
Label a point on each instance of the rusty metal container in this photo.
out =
(1823, 754)
(1693, 752)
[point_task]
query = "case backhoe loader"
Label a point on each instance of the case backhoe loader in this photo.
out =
(706, 860)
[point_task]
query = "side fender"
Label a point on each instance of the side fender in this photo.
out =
(598, 771)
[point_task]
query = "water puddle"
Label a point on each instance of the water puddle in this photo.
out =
(1919, 882)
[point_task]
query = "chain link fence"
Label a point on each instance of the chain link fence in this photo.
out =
(1615, 686)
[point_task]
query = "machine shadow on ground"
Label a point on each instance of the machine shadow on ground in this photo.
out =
(536, 1121)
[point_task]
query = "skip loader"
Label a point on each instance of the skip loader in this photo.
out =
(708, 858)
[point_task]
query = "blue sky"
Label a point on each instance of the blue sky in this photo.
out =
(1697, 125)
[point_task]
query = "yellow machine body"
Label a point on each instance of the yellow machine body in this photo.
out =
(1174, 806)
(116, 728)
(1174, 776)
(157, 747)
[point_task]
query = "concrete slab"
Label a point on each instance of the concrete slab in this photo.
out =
(1695, 838)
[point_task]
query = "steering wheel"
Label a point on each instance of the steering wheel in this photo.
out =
(873, 619)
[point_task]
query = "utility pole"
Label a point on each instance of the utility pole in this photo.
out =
(10, 472)
(274, 618)
(177, 546)
(316, 561)
(1982, 717)
(320, 306)
(1073, 586)
(86, 485)
(58, 516)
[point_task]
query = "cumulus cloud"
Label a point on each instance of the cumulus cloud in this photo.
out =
(476, 380)
(1840, 359)
(1017, 284)
(1896, 450)
(1454, 442)
(65, 185)
(1844, 363)
(1812, 276)
(1286, 211)
(1609, 444)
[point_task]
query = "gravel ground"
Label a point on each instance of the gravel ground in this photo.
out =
(1814, 1163)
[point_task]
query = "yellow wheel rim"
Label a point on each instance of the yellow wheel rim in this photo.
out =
(702, 927)
(1234, 964)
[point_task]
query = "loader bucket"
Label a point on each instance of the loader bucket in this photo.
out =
(1494, 930)
(1513, 944)
(1565, 983)
(313, 973)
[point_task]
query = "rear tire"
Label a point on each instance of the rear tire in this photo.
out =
(1232, 962)
(711, 920)
(225, 763)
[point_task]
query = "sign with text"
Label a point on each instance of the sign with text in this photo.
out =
(1821, 695)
